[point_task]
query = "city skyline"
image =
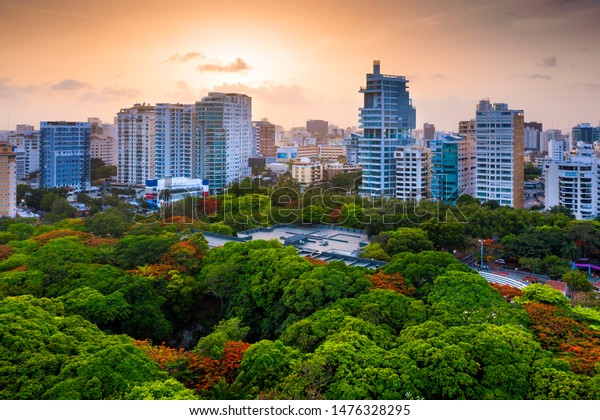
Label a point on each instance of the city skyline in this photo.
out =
(70, 60)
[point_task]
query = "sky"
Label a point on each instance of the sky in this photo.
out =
(299, 60)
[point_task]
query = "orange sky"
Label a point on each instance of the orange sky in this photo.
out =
(299, 60)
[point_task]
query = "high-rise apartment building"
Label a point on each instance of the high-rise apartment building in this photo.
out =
(412, 173)
(387, 118)
(65, 155)
(264, 134)
(8, 181)
(174, 141)
(351, 144)
(584, 133)
(105, 145)
(224, 138)
(27, 148)
(452, 167)
(499, 154)
(136, 144)
(532, 135)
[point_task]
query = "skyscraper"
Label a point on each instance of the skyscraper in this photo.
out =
(8, 181)
(105, 145)
(136, 144)
(387, 118)
(27, 148)
(224, 133)
(452, 167)
(174, 141)
(65, 154)
(499, 151)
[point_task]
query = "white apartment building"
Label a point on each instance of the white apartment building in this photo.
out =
(224, 138)
(307, 172)
(174, 141)
(412, 173)
(499, 154)
(27, 149)
(136, 144)
(574, 183)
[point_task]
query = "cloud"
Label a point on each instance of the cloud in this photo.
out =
(537, 76)
(586, 87)
(10, 90)
(438, 76)
(547, 62)
(184, 58)
(235, 66)
(69, 84)
(110, 94)
(268, 91)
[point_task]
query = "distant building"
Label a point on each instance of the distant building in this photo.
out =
(412, 173)
(428, 131)
(351, 144)
(224, 130)
(264, 134)
(307, 173)
(585, 133)
(8, 181)
(452, 167)
(287, 153)
(318, 128)
(322, 151)
(27, 148)
(65, 155)
(105, 145)
(532, 135)
(387, 119)
(136, 144)
(499, 154)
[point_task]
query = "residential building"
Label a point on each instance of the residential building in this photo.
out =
(8, 181)
(224, 138)
(585, 133)
(322, 151)
(412, 173)
(387, 119)
(174, 141)
(532, 135)
(307, 173)
(105, 145)
(264, 134)
(351, 144)
(573, 183)
(556, 150)
(452, 167)
(287, 153)
(136, 144)
(499, 154)
(27, 148)
(65, 155)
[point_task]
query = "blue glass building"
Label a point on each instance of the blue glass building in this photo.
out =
(387, 119)
(65, 154)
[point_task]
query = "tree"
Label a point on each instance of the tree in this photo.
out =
(213, 344)
(542, 294)
(110, 223)
(577, 281)
(404, 240)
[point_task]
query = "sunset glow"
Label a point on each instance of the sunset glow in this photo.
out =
(70, 59)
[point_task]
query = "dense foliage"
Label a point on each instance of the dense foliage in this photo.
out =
(111, 309)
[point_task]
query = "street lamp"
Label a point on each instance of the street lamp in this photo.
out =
(481, 255)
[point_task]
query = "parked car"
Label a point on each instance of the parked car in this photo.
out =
(500, 261)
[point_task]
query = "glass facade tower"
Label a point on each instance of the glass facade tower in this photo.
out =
(387, 119)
